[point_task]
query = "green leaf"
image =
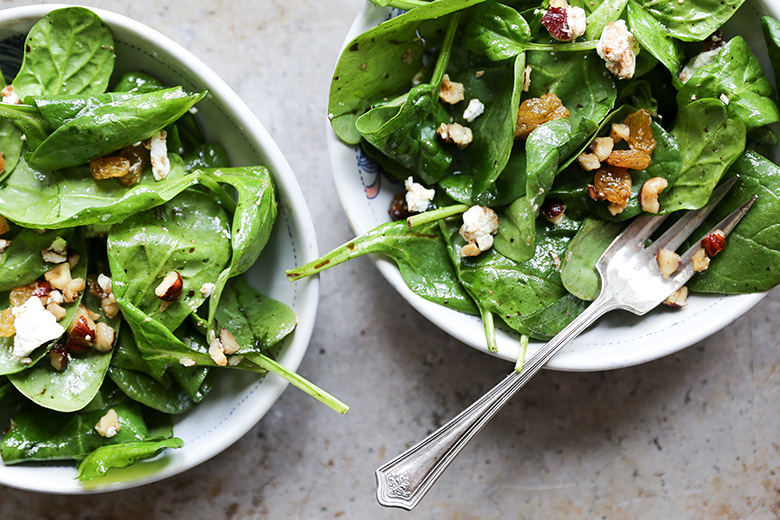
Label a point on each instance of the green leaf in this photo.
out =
(771, 28)
(692, 20)
(737, 75)
(496, 30)
(711, 139)
(654, 38)
(609, 11)
(22, 263)
(420, 254)
(97, 463)
(68, 51)
(577, 267)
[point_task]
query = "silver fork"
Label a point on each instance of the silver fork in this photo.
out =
(630, 280)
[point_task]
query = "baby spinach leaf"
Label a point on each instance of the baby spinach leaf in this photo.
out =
(141, 387)
(654, 38)
(382, 61)
(22, 262)
(103, 128)
(771, 28)
(577, 267)
(189, 234)
(711, 139)
(496, 30)
(407, 133)
(138, 82)
(751, 260)
(207, 155)
(41, 434)
(736, 74)
(98, 462)
(58, 110)
(692, 20)
(607, 12)
(68, 51)
(255, 320)
(73, 388)
(64, 198)
(28, 120)
(420, 254)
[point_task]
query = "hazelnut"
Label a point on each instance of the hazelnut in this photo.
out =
(57, 252)
(71, 291)
(73, 259)
(668, 262)
(229, 343)
(455, 133)
(104, 337)
(56, 309)
(616, 208)
(700, 261)
(588, 161)
(678, 298)
(714, 243)
(216, 352)
(602, 147)
(81, 331)
(553, 211)
(470, 250)
(648, 195)
(4, 245)
(59, 357)
(451, 92)
(108, 425)
(619, 132)
(59, 276)
(170, 288)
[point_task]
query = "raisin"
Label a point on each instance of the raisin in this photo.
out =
(7, 323)
(641, 131)
(19, 295)
(613, 184)
(137, 157)
(398, 208)
(631, 159)
(109, 167)
(536, 111)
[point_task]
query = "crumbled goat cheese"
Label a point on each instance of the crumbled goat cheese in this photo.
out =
(187, 361)
(158, 154)
(474, 110)
(479, 225)
(207, 289)
(724, 99)
(451, 92)
(617, 47)
(34, 326)
(9, 96)
(697, 62)
(108, 425)
(455, 133)
(418, 197)
(577, 20)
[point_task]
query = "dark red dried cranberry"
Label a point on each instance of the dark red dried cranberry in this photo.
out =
(398, 208)
(556, 22)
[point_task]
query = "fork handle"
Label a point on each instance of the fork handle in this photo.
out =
(403, 481)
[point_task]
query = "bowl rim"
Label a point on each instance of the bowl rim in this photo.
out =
(286, 182)
(676, 336)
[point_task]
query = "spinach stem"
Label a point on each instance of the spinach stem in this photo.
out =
(298, 381)
(434, 215)
(521, 357)
(446, 50)
(223, 196)
(490, 330)
(406, 5)
(561, 47)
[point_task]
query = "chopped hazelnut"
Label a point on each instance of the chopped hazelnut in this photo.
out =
(57, 252)
(455, 133)
(714, 243)
(668, 262)
(216, 352)
(451, 92)
(56, 309)
(108, 425)
(73, 259)
(470, 250)
(59, 276)
(59, 357)
(616, 208)
(104, 337)
(619, 132)
(71, 291)
(588, 161)
(700, 261)
(602, 147)
(187, 362)
(4, 245)
(648, 195)
(229, 343)
(81, 331)
(678, 298)
(170, 288)
(527, 78)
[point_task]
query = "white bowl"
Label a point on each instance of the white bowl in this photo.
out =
(619, 339)
(238, 399)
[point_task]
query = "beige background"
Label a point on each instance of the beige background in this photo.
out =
(694, 435)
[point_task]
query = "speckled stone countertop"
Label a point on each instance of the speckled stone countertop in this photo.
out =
(694, 435)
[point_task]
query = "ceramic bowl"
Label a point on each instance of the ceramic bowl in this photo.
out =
(619, 339)
(238, 399)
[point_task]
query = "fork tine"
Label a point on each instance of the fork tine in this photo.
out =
(726, 225)
(688, 223)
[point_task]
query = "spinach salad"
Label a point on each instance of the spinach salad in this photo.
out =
(528, 134)
(120, 272)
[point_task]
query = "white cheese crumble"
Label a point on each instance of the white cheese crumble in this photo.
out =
(9, 96)
(108, 425)
(618, 48)
(158, 154)
(697, 62)
(474, 110)
(187, 361)
(418, 197)
(207, 289)
(34, 326)
(577, 20)
(480, 223)
(724, 99)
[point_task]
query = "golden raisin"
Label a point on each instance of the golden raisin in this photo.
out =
(631, 159)
(614, 184)
(7, 323)
(19, 295)
(641, 131)
(109, 167)
(537, 111)
(137, 157)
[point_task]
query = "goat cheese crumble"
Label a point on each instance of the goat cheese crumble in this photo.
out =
(34, 326)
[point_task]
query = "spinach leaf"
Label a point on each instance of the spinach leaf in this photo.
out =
(609, 11)
(654, 38)
(711, 139)
(771, 28)
(166, 398)
(28, 120)
(577, 267)
(496, 30)
(98, 462)
(692, 20)
(58, 110)
(138, 82)
(41, 434)
(64, 198)
(207, 155)
(751, 260)
(517, 232)
(189, 234)
(420, 254)
(255, 320)
(736, 74)
(22, 263)
(68, 51)
(73, 388)
(99, 129)
(382, 61)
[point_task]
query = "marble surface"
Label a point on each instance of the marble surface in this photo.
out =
(694, 435)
